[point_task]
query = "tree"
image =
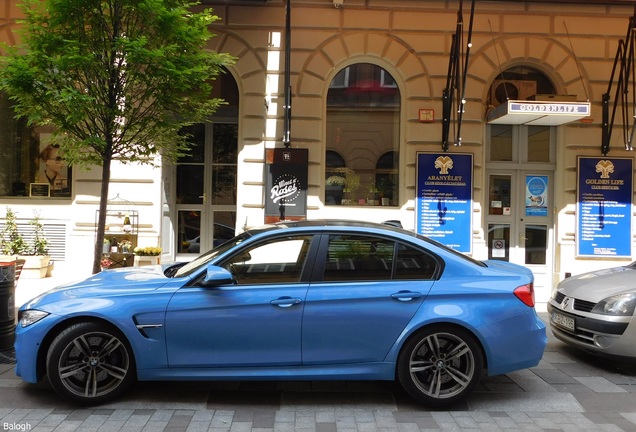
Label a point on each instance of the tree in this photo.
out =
(117, 79)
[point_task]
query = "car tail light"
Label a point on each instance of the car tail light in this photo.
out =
(525, 293)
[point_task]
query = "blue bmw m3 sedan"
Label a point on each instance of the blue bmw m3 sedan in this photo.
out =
(310, 300)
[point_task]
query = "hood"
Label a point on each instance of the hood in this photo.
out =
(116, 282)
(597, 285)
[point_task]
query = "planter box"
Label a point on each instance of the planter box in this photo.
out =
(35, 266)
(145, 260)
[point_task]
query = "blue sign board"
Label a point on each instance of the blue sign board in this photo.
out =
(444, 198)
(604, 207)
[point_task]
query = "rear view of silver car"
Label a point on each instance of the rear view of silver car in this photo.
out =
(595, 311)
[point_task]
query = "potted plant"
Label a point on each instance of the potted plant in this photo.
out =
(36, 254)
(125, 245)
(147, 255)
(11, 241)
(105, 263)
(33, 253)
(348, 180)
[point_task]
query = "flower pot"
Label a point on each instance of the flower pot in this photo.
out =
(146, 260)
(35, 266)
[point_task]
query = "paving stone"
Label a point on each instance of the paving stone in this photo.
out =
(600, 385)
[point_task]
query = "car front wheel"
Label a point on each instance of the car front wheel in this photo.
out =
(440, 365)
(90, 363)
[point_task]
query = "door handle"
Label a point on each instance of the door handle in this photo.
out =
(285, 302)
(406, 295)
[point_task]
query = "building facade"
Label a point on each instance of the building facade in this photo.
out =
(367, 84)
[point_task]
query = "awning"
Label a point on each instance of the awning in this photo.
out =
(534, 113)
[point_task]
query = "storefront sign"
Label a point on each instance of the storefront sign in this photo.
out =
(286, 184)
(443, 208)
(536, 195)
(604, 207)
(549, 108)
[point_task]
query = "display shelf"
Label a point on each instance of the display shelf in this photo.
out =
(120, 236)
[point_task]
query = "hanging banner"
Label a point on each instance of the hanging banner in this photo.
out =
(604, 207)
(536, 195)
(444, 198)
(286, 184)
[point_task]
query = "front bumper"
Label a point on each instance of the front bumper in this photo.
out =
(602, 335)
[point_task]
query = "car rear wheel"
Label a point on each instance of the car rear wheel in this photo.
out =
(90, 363)
(440, 365)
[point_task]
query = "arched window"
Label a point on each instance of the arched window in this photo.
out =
(515, 143)
(363, 117)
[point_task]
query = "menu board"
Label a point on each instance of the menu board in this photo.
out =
(444, 198)
(604, 207)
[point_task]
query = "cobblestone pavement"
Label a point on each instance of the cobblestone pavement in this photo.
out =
(567, 391)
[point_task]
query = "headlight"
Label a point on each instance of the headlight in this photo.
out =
(29, 317)
(619, 305)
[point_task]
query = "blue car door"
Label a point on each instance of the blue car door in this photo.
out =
(364, 301)
(256, 322)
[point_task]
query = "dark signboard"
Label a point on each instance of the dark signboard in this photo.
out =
(444, 198)
(286, 184)
(604, 207)
(39, 190)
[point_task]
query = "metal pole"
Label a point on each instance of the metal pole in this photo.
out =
(287, 106)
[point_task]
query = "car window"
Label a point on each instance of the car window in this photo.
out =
(412, 263)
(279, 261)
(459, 255)
(358, 258)
(197, 264)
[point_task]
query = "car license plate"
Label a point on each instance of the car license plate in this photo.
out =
(563, 321)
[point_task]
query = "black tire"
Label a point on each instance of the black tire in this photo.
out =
(90, 363)
(440, 365)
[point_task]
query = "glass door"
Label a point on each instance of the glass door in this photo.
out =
(519, 222)
(206, 188)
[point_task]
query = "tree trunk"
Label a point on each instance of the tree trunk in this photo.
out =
(101, 220)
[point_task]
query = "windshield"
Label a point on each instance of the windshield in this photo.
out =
(204, 259)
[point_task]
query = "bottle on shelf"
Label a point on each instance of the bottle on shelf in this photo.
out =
(127, 226)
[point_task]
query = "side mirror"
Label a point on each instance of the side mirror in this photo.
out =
(216, 276)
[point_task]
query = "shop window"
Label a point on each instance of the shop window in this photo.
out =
(363, 117)
(29, 164)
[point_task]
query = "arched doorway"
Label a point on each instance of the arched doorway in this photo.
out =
(521, 160)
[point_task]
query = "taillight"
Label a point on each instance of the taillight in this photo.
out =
(525, 293)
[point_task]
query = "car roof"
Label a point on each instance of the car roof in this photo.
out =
(331, 223)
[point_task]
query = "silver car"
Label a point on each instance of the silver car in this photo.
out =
(595, 311)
